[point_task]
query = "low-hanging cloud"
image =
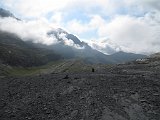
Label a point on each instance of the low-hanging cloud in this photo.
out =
(105, 46)
(127, 33)
(31, 30)
(134, 34)
(69, 42)
(35, 31)
(130, 25)
(124, 32)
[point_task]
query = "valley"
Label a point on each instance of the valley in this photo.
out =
(115, 92)
(50, 74)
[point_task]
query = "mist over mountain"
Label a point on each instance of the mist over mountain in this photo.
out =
(15, 52)
(5, 13)
(64, 44)
(48, 72)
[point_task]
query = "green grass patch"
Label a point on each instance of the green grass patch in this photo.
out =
(26, 71)
(15, 71)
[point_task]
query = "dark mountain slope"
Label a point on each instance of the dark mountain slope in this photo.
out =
(5, 13)
(75, 39)
(85, 52)
(76, 50)
(14, 51)
(122, 57)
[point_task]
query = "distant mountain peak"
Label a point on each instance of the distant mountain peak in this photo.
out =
(60, 30)
(5, 13)
(59, 33)
(68, 46)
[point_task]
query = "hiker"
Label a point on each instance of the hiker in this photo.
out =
(92, 69)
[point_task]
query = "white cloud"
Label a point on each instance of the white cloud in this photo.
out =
(151, 4)
(69, 42)
(96, 23)
(31, 30)
(39, 8)
(104, 45)
(134, 34)
(127, 33)
(56, 19)
(35, 8)
(77, 27)
(112, 19)
(36, 31)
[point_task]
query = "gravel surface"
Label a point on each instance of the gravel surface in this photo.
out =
(128, 91)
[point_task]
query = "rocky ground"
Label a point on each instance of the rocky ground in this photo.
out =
(72, 91)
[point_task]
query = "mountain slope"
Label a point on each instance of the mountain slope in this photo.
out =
(86, 52)
(5, 13)
(122, 57)
(68, 46)
(14, 51)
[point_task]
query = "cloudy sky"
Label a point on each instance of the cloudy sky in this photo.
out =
(107, 25)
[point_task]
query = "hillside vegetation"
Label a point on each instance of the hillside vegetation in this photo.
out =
(15, 52)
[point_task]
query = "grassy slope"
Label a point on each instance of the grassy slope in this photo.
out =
(62, 66)
(15, 52)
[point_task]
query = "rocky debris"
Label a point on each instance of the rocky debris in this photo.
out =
(66, 77)
(110, 115)
(120, 92)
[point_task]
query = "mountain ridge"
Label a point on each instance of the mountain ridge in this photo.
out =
(70, 47)
(14, 51)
